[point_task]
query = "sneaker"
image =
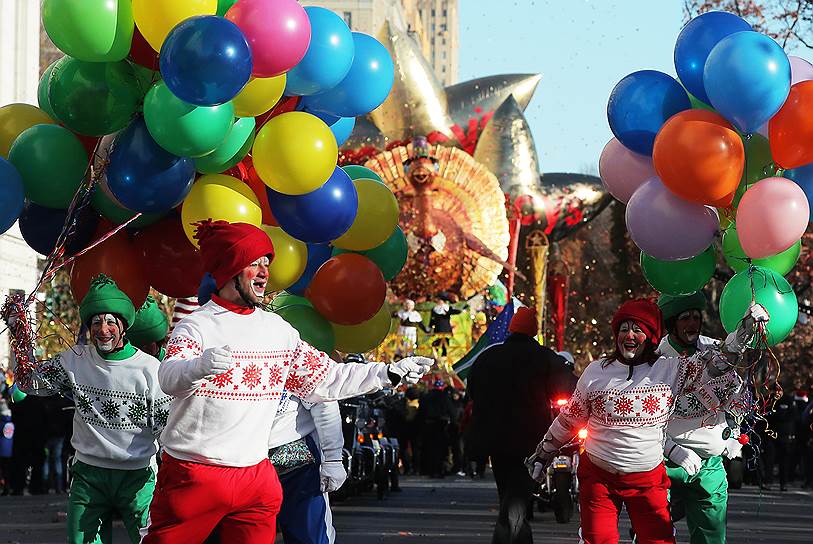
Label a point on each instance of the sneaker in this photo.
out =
(462, 474)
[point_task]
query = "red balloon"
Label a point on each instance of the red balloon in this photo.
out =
(347, 289)
(790, 131)
(142, 52)
(89, 143)
(245, 172)
(285, 105)
(172, 265)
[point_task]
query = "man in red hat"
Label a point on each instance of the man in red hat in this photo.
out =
(512, 386)
(227, 364)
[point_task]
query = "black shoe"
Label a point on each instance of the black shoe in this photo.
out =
(783, 488)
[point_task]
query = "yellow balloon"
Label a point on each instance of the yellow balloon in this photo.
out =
(258, 96)
(14, 119)
(366, 335)
(295, 153)
(155, 18)
(216, 196)
(290, 258)
(375, 220)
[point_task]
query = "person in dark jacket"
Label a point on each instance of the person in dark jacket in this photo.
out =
(512, 385)
(784, 420)
(434, 415)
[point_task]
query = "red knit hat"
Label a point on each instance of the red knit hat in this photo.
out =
(524, 322)
(645, 313)
(227, 248)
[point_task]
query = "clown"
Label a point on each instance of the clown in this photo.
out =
(626, 400)
(120, 410)
(149, 332)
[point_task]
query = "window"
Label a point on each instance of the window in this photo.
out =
(348, 18)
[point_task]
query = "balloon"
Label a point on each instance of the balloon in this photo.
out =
(295, 153)
(699, 157)
(290, 258)
(366, 85)
(90, 30)
(223, 6)
(655, 217)
(233, 149)
(278, 32)
(12, 196)
(42, 90)
(772, 216)
(51, 162)
(767, 288)
(622, 171)
(205, 60)
(284, 299)
(142, 52)
(800, 70)
(116, 257)
(285, 105)
(695, 42)
(14, 119)
(747, 79)
(758, 164)
(791, 129)
(183, 129)
(107, 205)
(318, 254)
(312, 327)
(155, 18)
(41, 227)
(640, 104)
(144, 177)
(329, 56)
(803, 176)
(244, 171)
(347, 289)
(736, 258)
(342, 129)
(258, 96)
(366, 335)
(360, 172)
(390, 256)
(215, 196)
(376, 217)
(321, 215)
(679, 277)
(172, 265)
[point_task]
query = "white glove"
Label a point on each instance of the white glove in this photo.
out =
(538, 462)
(331, 476)
(742, 338)
(685, 458)
(411, 369)
(213, 362)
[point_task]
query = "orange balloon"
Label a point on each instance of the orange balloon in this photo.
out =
(699, 156)
(790, 131)
(724, 202)
(347, 289)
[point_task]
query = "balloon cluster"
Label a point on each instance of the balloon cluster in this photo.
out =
(727, 146)
(184, 110)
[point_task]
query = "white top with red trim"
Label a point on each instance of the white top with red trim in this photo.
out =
(626, 418)
(226, 421)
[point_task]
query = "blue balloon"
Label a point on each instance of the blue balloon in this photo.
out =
(321, 215)
(329, 56)
(206, 60)
(803, 176)
(41, 227)
(12, 195)
(206, 289)
(639, 106)
(143, 176)
(343, 128)
(366, 85)
(696, 41)
(317, 255)
(747, 79)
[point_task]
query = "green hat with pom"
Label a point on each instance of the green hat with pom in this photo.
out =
(104, 297)
(674, 305)
(150, 325)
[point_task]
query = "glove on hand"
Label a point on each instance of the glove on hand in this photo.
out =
(213, 362)
(539, 461)
(331, 476)
(685, 458)
(742, 338)
(409, 370)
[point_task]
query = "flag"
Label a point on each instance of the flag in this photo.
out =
(496, 333)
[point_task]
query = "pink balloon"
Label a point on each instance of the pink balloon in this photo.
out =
(772, 215)
(667, 227)
(622, 171)
(278, 32)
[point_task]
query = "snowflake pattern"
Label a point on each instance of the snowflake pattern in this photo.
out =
(312, 361)
(110, 409)
(222, 380)
(651, 404)
(182, 346)
(137, 412)
(575, 409)
(598, 406)
(274, 376)
(295, 382)
(83, 403)
(252, 375)
(160, 417)
(623, 405)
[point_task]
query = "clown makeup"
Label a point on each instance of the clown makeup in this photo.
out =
(106, 332)
(687, 327)
(630, 341)
(252, 280)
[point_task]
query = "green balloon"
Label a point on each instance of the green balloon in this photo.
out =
(52, 163)
(758, 164)
(184, 129)
(285, 299)
(679, 277)
(90, 30)
(313, 328)
(42, 91)
(772, 291)
(698, 104)
(361, 172)
(146, 78)
(236, 146)
(94, 98)
(223, 6)
(118, 214)
(735, 257)
(390, 256)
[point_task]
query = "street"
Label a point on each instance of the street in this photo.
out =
(450, 511)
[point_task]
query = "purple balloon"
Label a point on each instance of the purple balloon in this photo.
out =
(667, 227)
(622, 171)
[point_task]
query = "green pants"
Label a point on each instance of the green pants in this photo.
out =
(96, 493)
(702, 498)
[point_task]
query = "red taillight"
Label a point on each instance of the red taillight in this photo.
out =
(561, 402)
(582, 434)
(361, 438)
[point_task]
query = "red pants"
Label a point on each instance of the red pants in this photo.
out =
(192, 499)
(601, 495)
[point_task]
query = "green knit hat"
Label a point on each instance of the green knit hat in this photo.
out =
(674, 305)
(150, 325)
(104, 297)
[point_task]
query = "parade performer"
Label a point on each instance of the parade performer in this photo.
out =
(626, 401)
(409, 321)
(227, 365)
(149, 332)
(120, 410)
